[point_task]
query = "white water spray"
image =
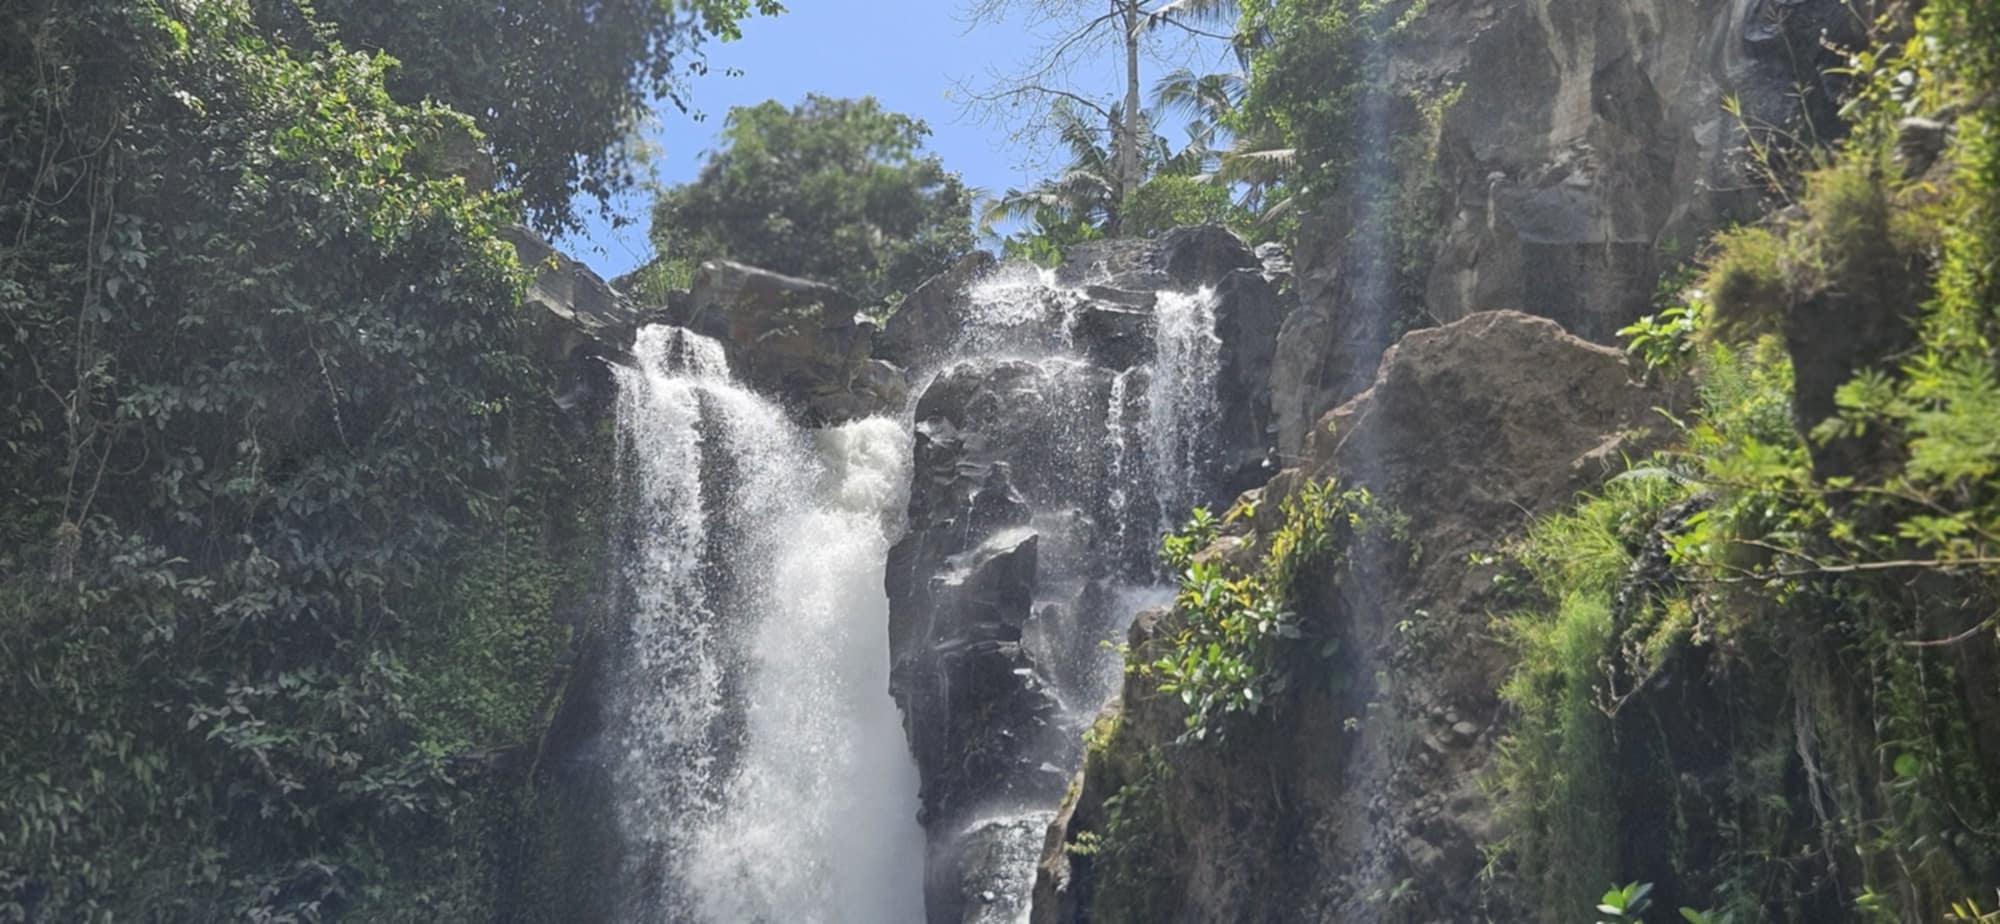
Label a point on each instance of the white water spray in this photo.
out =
(762, 771)
(1181, 405)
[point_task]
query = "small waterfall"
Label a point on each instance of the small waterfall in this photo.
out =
(1181, 405)
(1110, 442)
(675, 657)
(1117, 445)
(761, 768)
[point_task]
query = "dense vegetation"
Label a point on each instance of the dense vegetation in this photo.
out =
(834, 190)
(1753, 676)
(1819, 553)
(287, 508)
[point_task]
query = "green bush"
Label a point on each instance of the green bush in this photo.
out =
(1166, 202)
(1745, 282)
(1230, 641)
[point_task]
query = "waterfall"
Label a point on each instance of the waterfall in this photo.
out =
(1103, 408)
(761, 770)
(758, 763)
(1118, 446)
(1181, 405)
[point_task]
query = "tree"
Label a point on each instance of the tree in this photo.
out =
(1084, 194)
(270, 428)
(1196, 184)
(557, 86)
(837, 190)
(1079, 36)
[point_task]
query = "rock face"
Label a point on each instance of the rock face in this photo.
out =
(803, 341)
(986, 728)
(583, 321)
(932, 316)
(1062, 424)
(1588, 152)
(1468, 430)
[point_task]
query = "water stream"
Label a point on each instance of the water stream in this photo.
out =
(762, 772)
(759, 765)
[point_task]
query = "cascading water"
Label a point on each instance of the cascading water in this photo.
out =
(760, 766)
(761, 770)
(1181, 405)
(1103, 406)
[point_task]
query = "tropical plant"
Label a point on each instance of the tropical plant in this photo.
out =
(1082, 31)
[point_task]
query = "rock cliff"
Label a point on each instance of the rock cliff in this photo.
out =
(1371, 780)
(1588, 148)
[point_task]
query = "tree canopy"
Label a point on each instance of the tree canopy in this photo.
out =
(271, 438)
(837, 190)
(558, 87)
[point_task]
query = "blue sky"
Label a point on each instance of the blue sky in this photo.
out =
(906, 53)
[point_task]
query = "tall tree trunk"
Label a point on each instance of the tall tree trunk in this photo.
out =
(1128, 147)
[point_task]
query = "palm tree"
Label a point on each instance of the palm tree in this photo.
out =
(1221, 148)
(1089, 189)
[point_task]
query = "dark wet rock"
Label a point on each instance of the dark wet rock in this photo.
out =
(1114, 336)
(995, 861)
(1250, 310)
(1184, 258)
(804, 342)
(996, 688)
(932, 316)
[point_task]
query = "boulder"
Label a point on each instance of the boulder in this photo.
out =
(581, 321)
(932, 316)
(804, 342)
(1183, 258)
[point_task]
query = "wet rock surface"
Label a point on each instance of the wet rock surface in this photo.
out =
(1468, 430)
(805, 342)
(1067, 416)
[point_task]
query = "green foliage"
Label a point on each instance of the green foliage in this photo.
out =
(1048, 241)
(1746, 282)
(1130, 853)
(1316, 82)
(836, 190)
(1665, 341)
(1845, 619)
(1557, 763)
(658, 280)
(1229, 643)
(1359, 158)
(1171, 201)
(1627, 902)
(558, 88)
(268, 397)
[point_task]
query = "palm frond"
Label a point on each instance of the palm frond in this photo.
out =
(1205, 11)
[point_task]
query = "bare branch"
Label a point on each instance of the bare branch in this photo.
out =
(1023, 90)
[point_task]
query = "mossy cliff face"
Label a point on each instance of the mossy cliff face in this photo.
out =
(1551, 157)
(1356, 789)
(1751, 667)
